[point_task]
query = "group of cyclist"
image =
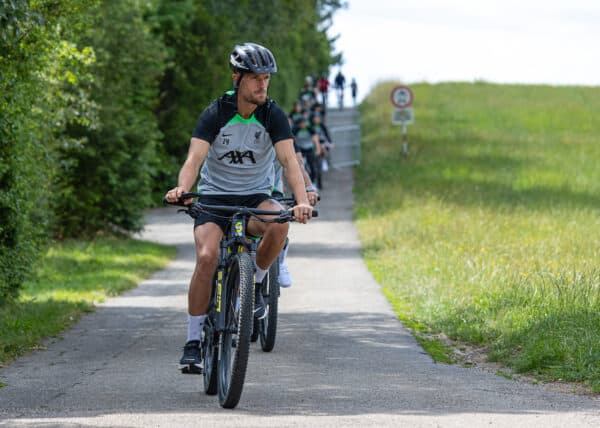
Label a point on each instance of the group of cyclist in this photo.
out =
(307, 121)
(242, 147)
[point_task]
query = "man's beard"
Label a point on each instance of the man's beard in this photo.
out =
(256, 99)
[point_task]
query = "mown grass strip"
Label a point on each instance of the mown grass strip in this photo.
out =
(71, 278)
(489, 231)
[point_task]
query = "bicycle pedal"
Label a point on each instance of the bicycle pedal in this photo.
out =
(191, 369)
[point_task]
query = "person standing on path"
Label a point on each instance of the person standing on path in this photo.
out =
(236, 140)
(340, 85)
(323, 87)
(354, 89)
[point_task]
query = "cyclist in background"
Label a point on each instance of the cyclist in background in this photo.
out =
(308, 143)
(236, 140)
(296, 114)
(317, 110)
(308, 94)
(322, 133)
(285, 278)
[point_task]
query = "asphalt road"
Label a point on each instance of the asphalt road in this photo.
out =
(342, 359)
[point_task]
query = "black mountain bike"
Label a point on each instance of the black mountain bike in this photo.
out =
(228, 326)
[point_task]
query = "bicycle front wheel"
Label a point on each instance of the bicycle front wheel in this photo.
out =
(235, 343)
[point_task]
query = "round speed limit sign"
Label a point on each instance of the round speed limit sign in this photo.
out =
(402, 96)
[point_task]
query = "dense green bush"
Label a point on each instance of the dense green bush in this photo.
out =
(30, 53)
(105, 174)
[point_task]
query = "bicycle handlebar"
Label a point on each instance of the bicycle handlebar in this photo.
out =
(231, 209)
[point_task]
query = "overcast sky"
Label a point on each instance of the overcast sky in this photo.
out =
(524, 41)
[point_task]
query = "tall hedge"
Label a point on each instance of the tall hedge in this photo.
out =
(32, 55)
(106, 177)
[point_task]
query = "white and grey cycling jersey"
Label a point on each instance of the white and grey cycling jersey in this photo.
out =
(241, 155)
(304, 138)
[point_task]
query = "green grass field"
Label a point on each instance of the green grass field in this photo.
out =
(70, 279)
(489, 232)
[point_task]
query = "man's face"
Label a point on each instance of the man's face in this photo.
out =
(253, 87)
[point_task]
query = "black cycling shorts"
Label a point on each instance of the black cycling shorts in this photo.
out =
(222, 219)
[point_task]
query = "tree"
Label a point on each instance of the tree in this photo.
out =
(105, 179)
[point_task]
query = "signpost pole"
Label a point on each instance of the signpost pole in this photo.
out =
(402, 98)
(404, 141)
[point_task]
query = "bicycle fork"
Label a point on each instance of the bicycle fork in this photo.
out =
(221, 297)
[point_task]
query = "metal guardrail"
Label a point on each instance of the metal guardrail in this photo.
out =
(347, 150)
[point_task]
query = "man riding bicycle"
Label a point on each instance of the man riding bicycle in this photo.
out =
(236, 140)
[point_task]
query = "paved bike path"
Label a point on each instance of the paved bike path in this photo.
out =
(341, 358)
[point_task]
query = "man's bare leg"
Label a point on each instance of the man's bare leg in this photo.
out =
(207, 237)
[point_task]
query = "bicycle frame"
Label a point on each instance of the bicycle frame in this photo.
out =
(229, 246)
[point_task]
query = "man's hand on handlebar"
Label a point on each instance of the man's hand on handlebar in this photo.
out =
(302, 212)
(174, 195)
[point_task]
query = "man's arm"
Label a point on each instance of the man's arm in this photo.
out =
(284, 150)
(189, 171)
(311, 191)
(305, 176)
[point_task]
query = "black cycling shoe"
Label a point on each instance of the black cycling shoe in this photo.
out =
(260, 308)
(191, 353)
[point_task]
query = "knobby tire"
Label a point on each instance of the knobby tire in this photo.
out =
(268, 325)
(234, 360)
(209, 352)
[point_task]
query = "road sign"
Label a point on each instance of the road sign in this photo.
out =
(402, 96)
(403, 116)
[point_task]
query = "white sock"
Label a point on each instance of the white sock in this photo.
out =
(283, 253)
(260, 273)
(195, 324)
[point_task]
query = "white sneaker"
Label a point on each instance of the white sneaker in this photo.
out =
(325, 166)
(285, 280)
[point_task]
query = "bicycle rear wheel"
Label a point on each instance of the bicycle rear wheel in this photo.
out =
(267, 327)
(235, 343)
(209, 351)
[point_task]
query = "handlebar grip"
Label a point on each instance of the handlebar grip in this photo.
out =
(315, 213)
(176, 203)
(182, 198)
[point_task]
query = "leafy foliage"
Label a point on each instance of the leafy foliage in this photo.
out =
(29, 47)
(106, 170)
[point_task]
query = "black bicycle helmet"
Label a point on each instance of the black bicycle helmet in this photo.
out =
(254, 58)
